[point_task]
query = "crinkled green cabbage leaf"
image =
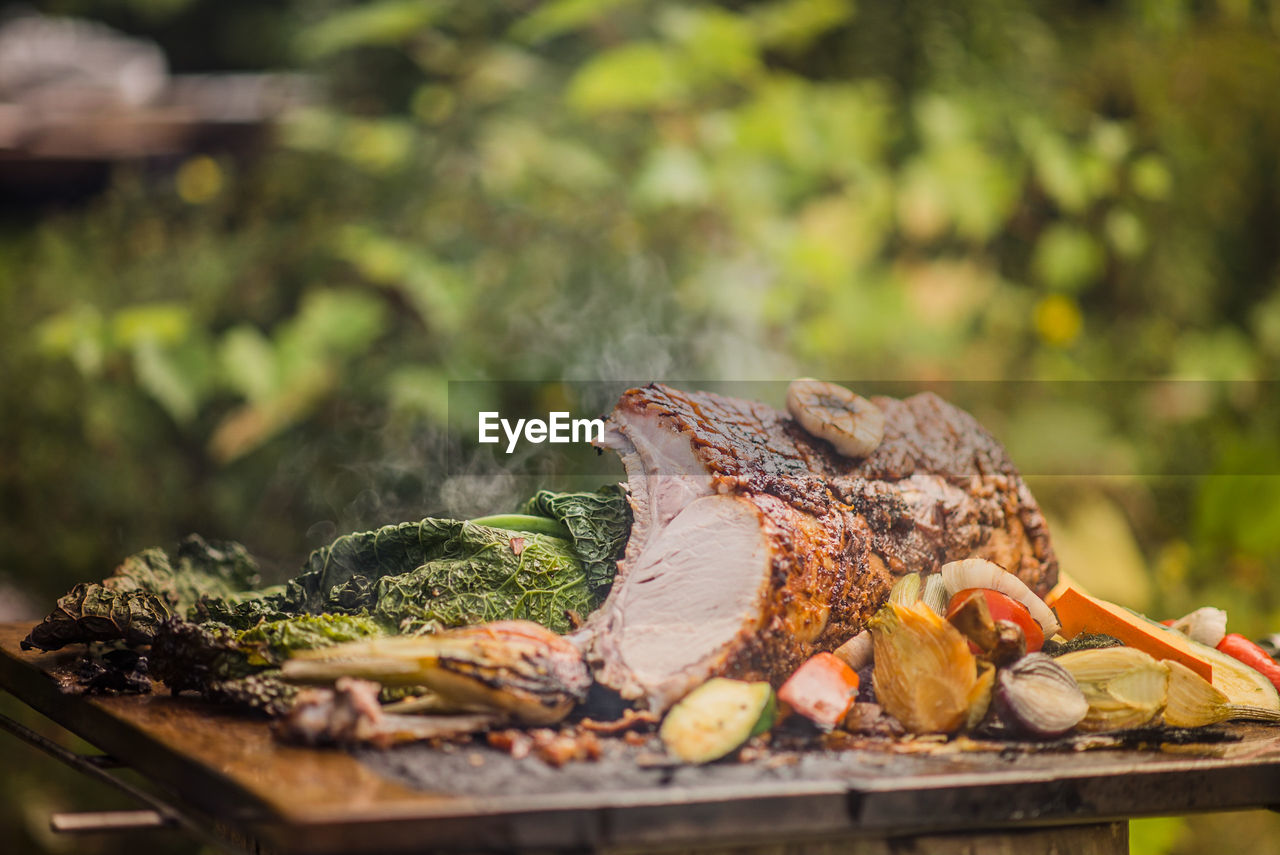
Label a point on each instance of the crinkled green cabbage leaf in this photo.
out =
(407, 577)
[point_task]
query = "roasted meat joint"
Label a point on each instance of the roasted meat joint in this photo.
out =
(847, 571)
(757, 544)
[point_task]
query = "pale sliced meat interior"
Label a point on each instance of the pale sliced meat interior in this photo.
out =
(690, 595)
(662, 463)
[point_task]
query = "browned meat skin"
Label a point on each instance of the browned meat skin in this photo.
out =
(938, 488)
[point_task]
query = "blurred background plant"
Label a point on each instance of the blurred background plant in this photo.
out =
(260, 347)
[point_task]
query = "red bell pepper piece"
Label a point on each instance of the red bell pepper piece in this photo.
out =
(822, 690)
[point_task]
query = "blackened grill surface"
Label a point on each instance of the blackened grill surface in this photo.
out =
(479, 770)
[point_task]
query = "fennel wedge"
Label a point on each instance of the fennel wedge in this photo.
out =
(1194, 702)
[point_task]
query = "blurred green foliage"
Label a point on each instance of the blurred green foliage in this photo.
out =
(581, 190)
(588, 189)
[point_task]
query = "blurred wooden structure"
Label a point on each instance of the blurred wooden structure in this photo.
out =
(77, 98)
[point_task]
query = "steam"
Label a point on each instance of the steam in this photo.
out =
(622, 327)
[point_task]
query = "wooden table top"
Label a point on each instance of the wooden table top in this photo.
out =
(229, 767)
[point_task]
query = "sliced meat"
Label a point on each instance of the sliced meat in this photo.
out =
(652, 644)
(756, 545)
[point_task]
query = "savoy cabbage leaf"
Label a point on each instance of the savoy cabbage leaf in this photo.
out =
(413, 576)
(598, 523)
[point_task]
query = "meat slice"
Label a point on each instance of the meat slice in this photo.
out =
(756, 545)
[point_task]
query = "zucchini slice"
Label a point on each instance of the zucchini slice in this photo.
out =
(716, 718)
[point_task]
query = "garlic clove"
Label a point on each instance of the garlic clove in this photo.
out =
(853, 425)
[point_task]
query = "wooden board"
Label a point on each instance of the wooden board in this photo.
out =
(301, 800)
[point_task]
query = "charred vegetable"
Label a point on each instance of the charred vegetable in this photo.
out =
(1001, 641)
(516, 667)
(982, 694)
(822, 690)
(857, 652)
(1083, 641)
(1192, 702)
(264, 692)
(716, 718)
(853, 425)
(1124, 687)
(1002, 607)
(240, 667)
(924, 674)
(349, 714)
(980, 573)
(1037, 696)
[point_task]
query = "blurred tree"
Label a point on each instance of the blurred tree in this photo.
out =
(586, 189)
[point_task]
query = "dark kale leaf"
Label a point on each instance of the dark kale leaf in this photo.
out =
(1083, 641)
(147, 589)
(240, 667)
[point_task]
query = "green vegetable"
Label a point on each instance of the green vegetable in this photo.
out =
(272, 642)
(243, 609)
(183, 651)
(146, 589)
(264, 691)
(553, 560)
(599, 524)
(421, 575)
(444, 573)
(240, 667)
(514, 667)
(524, 522)
(716, 718)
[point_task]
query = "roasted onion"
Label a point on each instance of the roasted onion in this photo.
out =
(1037, 696)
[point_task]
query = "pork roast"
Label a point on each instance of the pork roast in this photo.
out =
(755, 545)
